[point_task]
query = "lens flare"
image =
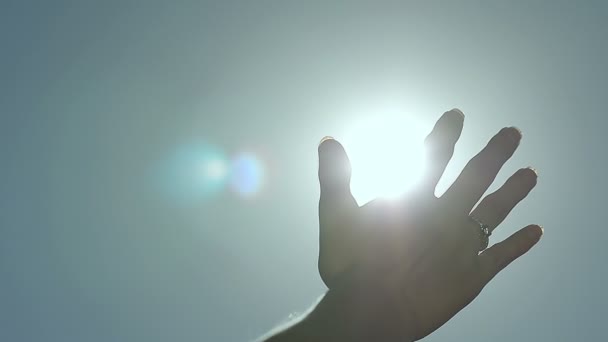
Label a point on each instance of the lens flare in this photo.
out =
(196, 171)
(246, 175)
(201, 171)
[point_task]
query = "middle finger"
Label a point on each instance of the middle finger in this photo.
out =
(481, 170)
(495, 207)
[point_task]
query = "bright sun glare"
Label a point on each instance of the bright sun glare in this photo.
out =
(386, 154)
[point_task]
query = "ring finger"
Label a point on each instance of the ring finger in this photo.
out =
(495, 207)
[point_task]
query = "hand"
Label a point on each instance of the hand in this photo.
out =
(414, 262)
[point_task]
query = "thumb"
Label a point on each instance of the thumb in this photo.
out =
(334, 169)
(336, 211)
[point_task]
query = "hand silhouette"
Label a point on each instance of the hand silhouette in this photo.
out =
(412, 263)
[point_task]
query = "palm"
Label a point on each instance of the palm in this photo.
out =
(420, 251)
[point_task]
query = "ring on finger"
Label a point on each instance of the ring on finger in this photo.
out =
(484, 232)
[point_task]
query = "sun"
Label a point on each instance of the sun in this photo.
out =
(386, 154)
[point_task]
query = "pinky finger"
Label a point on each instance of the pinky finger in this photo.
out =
(500, 255)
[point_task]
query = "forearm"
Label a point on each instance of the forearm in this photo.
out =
(342, 317)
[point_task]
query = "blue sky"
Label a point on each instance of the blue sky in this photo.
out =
(99, 99)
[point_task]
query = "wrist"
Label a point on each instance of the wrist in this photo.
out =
(351, 315)
(354, 314)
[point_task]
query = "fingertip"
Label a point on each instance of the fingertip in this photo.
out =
(331, 151)
(325, 138)
(534, 232)
(330, 145)
(334, 166)
(453, 117)
(528, 176)
(533, 169)
(459, 113)
(515, 134)
(448, 127)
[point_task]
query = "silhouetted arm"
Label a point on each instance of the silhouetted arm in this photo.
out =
(338, 317)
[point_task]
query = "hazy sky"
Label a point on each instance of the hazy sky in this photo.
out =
(105, 108)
